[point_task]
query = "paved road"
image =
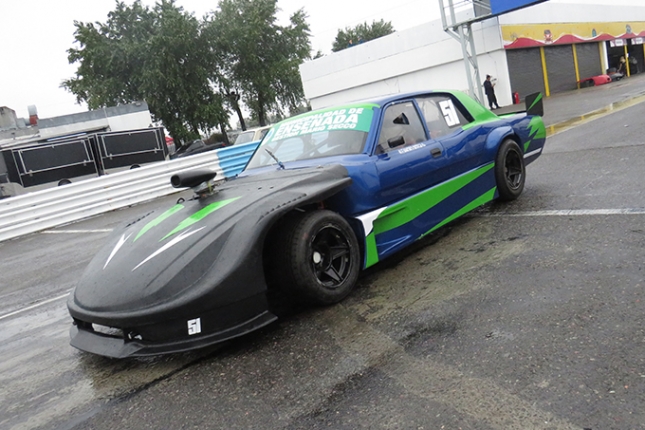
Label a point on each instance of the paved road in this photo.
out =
(520, 316)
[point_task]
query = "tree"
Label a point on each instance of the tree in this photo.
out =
(361, 33)
(161, 55)
(260, 58)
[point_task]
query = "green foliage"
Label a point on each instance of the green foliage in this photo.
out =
(352, 36)
(190, 71)
(161, 55)
(260, 57)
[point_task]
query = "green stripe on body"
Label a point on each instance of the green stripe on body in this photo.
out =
(155, 222)
(408, 210)
(403, 212)
(537, 130)
(484, 198)
(371, 251)
(536, 101)
(199, 215)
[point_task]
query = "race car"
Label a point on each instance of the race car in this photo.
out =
(325, 195)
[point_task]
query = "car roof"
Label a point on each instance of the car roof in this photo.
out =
(383, 100)
(257, 128)
(378, 101)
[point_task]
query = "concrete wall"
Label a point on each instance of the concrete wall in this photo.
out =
(420, 58)
(8, 118)
(426, 57)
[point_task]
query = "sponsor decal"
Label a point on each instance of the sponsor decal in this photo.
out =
(194, 326)
(357, 118)
(412, 148)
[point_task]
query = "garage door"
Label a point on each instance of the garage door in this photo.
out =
(588, 60)
(525, 70)
(560, 68)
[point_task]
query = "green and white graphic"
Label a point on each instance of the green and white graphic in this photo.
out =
(183, 225)
(354, 117)
(406, 211)
(537, 131)
(199, 215)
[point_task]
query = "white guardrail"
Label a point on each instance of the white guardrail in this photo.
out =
(51, 207)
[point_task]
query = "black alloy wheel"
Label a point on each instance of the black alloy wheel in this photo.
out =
(510, 171)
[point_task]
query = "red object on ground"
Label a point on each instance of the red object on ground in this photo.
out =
(516, 98)
(595, 80)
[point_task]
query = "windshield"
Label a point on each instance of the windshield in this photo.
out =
(245, 137)
(339, 131)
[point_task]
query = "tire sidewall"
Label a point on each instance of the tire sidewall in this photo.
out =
(306, 283)
(505, 189)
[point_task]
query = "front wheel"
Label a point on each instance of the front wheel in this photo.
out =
(510, 172)
(319, 256)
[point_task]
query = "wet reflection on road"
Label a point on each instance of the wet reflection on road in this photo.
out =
(44, 380)
(591, 116)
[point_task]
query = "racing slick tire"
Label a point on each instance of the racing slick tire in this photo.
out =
(318, 258)
(510, 171)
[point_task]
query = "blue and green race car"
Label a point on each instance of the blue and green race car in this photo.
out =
(325, 195)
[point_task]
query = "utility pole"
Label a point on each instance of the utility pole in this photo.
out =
(462, 31)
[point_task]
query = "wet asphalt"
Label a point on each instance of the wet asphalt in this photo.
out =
(526, 315)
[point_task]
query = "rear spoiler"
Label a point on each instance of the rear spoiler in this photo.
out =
(534, 105)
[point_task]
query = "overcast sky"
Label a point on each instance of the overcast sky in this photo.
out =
(35, 35)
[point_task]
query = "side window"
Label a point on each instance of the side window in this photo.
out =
(401, 120)
(441, 114)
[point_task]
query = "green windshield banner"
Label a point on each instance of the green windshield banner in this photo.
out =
(357, 118)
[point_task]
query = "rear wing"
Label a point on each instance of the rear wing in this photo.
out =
(534, 105)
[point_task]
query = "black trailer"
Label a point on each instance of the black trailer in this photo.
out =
(60, 160)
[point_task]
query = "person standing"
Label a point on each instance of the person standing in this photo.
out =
(622, 68)
(489, 89)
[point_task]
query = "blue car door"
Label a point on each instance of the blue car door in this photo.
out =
(445, 119)
(406, 161)
(421, 155)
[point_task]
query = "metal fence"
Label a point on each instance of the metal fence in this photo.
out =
(32, 212)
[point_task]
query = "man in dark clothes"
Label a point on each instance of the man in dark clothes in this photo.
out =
(490, 93)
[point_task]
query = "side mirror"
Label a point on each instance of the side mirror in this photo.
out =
(395, 141)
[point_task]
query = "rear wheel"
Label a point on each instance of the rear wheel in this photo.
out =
(316, 258)
(510, 172)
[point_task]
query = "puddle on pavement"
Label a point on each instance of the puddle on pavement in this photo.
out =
(46, 379)
(583, 119)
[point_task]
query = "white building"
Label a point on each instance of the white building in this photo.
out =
(546, 47)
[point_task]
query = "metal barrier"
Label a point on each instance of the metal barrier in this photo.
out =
(56, 206)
